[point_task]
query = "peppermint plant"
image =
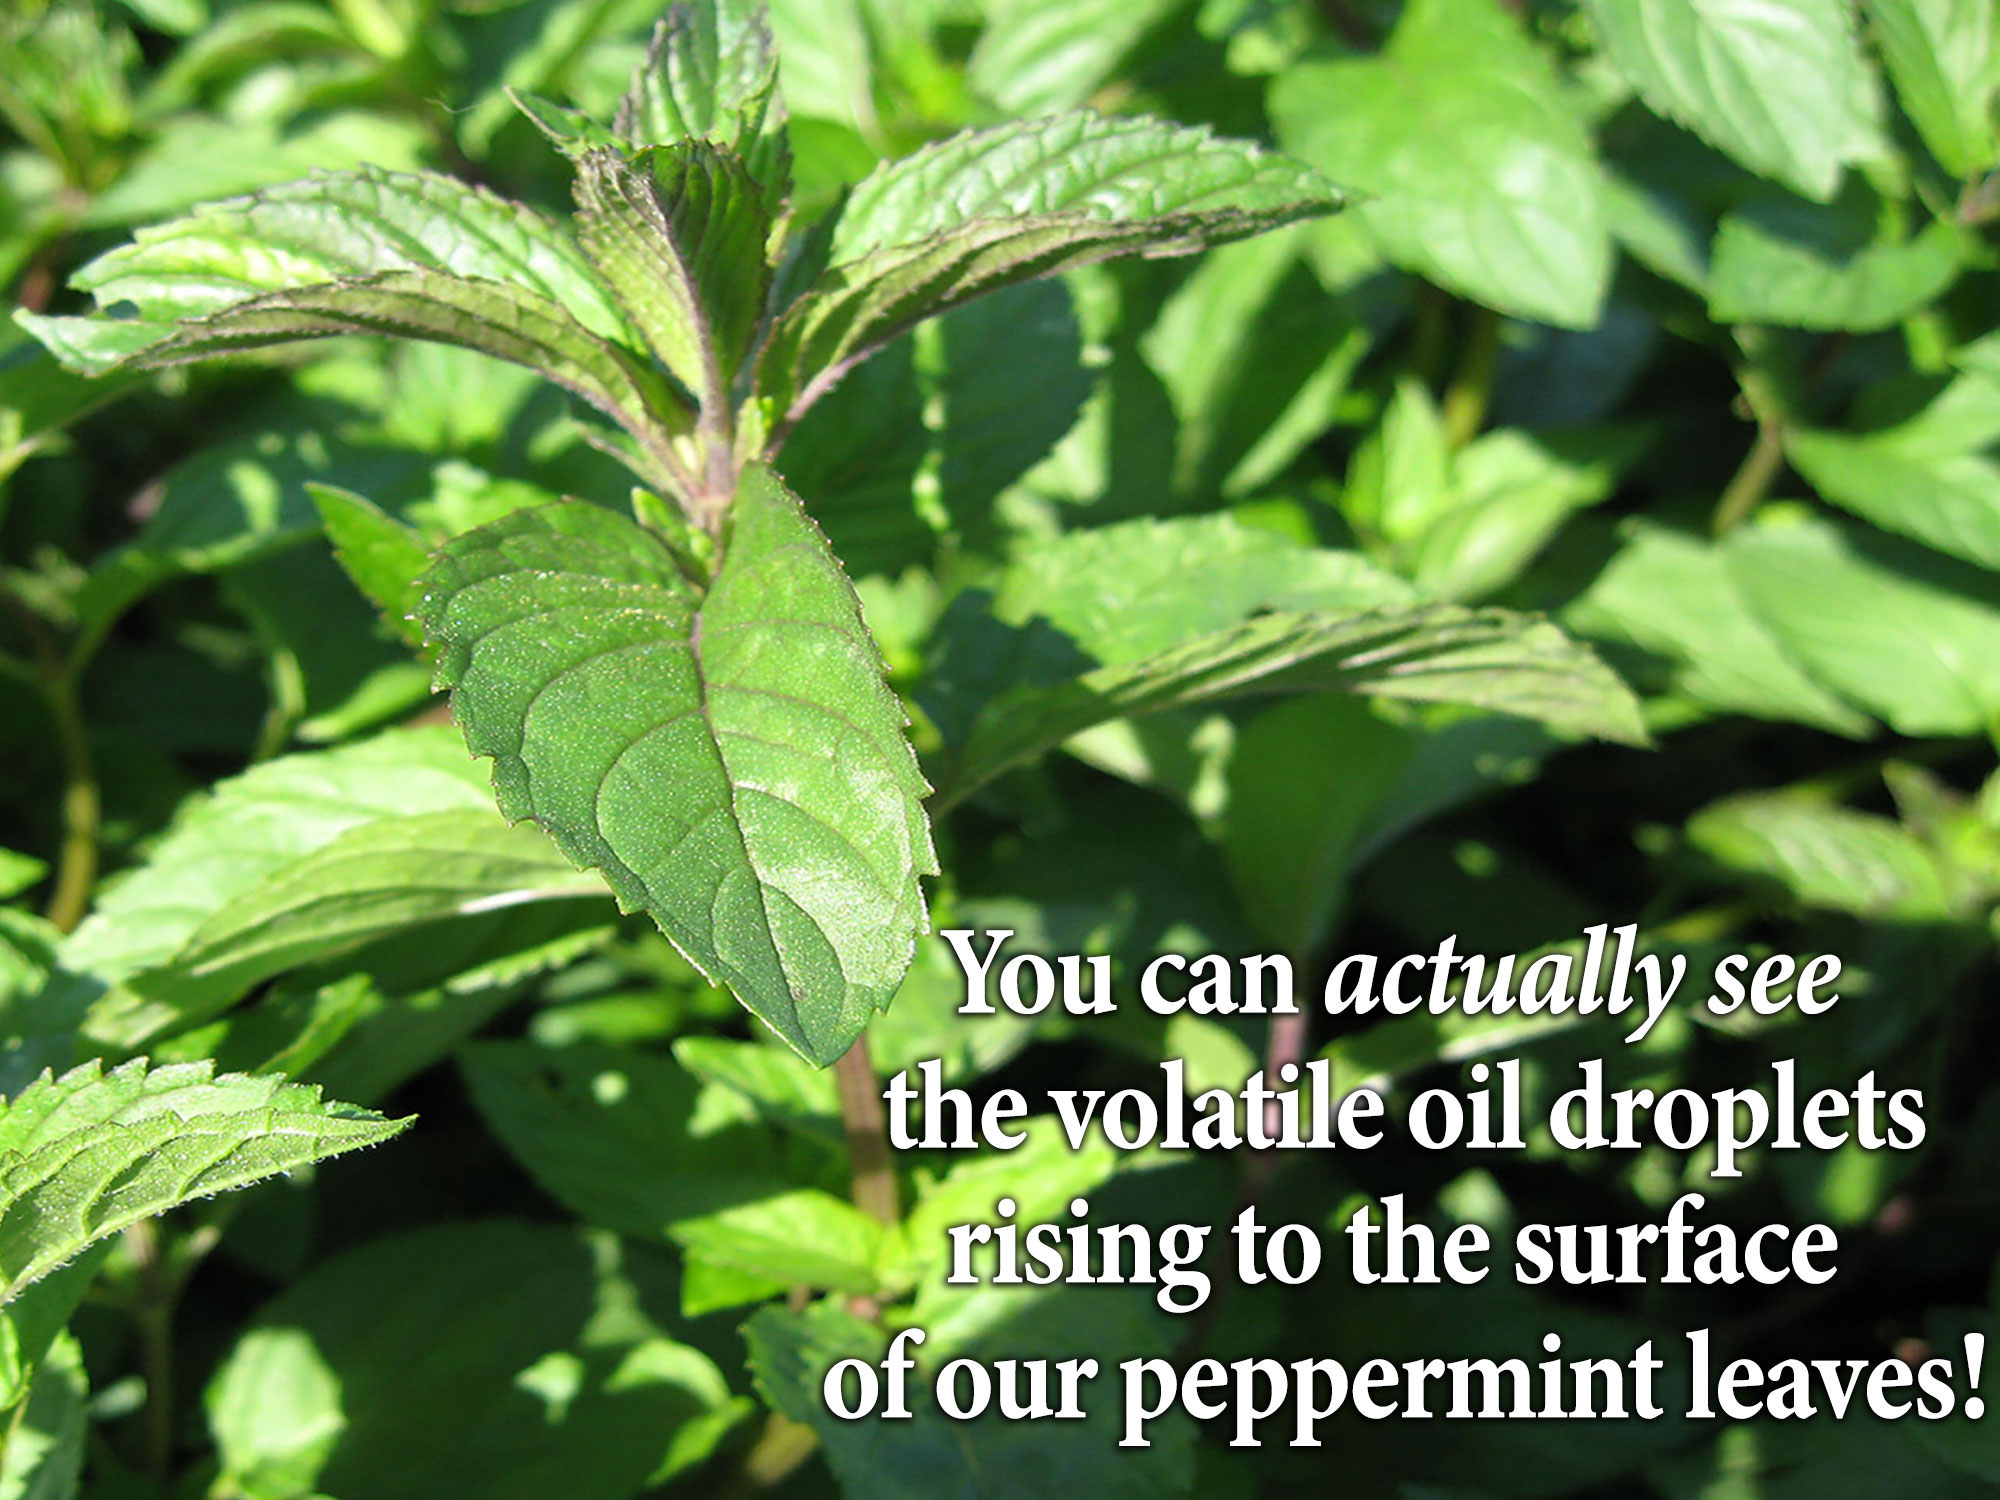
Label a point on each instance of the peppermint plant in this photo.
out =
(688, 698)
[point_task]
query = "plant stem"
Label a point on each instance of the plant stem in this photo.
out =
(76, 865)
(1285, 1044)
(287, 706)
(155, 1317)
(784, 1445)
(867, 1134)
(1466, 399)
(1430, 331)
(780, 1448)
(1761, 465)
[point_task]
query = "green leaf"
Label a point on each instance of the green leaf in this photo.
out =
(680, 231)
(90, 1153)
(380, 553)
(1001, 380)
(1305, 777)
(1041, 1175)
(371, 880)
(1944, 58)
(1248, 404)
(247, 35)
(1122, 592)
(252, 827)
(804, 1237)
(274, 1411)
(1399, 480)
(46, 1438)
(1037, 56)
(571, 130)
(1827, 857)
(1180, 186)
(711, 74)
(409, 255)
(986, 208)
(1510, 493)
(781, 1086)
(197, 158)
(933, 1455)
(1488, 659)
(31, 1324)
(1674, 595)
(1931, 476)
(19, 872)
(342, 226)
(505, 1360)
(620, 1138)
(1780, 85)
(1112, 595)
(827, 61)
(928, 434)
(495, 318)
(232, 502)
(179, 17)
(1844, 265)
(38, 399)
(1462, 523)
(1908, 635)
(1476, 171)
(732, 761)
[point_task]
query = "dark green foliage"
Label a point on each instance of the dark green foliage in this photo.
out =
(547, 546)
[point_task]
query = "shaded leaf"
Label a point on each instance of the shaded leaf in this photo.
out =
(254, 825)
(1912, 637)
(506, 1360)
(1930, 476)
(1829, 857)
(1040, 55)
(38, 399)
(1488, 659)
(371, 880)
(781, 1086)
(1784, 261)
(1674, 594)
(934, 1455)
(1249, 403)
(612, 1134)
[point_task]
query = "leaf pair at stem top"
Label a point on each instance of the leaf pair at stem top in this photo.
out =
(688, 307)
(693, 705)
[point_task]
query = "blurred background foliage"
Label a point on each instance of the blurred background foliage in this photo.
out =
(1676, 321)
